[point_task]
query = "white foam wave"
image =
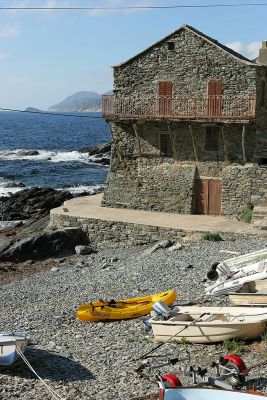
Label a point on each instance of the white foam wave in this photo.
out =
(47, 155)
(80, 189)
(8, 187)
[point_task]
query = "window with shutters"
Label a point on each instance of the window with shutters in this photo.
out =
(212, 138)
(165, 98)
(165, 145)
(214, 98)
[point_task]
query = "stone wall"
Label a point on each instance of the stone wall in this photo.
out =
(153, 182)
(107, 234)
(190, 66)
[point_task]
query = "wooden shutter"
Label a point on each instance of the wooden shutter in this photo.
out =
(165, 88)
(214, 98)
(165, 98)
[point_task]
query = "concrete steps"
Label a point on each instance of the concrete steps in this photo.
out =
(259, 217)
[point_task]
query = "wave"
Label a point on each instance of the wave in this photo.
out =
(8, 187)
(54, 156)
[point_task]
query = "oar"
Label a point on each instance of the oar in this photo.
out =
(176, 334)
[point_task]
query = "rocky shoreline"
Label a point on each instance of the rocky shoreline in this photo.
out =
(95, 361)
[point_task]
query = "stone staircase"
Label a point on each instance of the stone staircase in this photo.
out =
(259, 217)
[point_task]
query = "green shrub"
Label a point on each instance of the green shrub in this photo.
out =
(234, 346)
(212, 237)
(246, 214)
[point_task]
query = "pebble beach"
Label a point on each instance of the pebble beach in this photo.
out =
(93, 361)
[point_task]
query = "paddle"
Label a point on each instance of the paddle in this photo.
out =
(176, 334)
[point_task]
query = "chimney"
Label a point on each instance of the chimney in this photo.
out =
(262, 60)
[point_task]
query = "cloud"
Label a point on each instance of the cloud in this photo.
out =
(250, 50)
(9, 31)
(3, 56)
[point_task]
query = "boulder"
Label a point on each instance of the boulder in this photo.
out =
(99, 149)
(84, 250)
(45, 245)
(31, 203)
(164, 244)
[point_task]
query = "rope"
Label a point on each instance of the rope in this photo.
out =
(54, 394)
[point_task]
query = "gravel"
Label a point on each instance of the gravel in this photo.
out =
(94, 361)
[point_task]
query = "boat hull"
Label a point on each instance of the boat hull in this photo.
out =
(122, 309)
(216, 325)
(188, 393)
(8, 346)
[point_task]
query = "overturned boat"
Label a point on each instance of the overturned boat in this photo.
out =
(103, 310)
(10, 344)
(232, 281)
(251, 294)
(194, 324)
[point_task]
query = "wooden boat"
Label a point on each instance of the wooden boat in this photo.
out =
(230, 281)
(209, 324)
(204, 393)
(252, 293)
(8, 346)
(102, 310)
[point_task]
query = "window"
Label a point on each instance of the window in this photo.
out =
(212, 138)
(165, 145)
(171, 45)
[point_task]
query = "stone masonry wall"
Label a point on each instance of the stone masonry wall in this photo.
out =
(107, 234)
(153, 182)
(190, 66)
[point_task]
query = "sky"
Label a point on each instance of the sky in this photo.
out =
(48, 55)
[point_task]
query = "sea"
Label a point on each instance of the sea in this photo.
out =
(43, 150)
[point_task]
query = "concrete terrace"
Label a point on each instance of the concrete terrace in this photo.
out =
(89, 207)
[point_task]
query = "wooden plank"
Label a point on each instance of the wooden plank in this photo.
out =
(115, 143)
(138, 139)
(215, 196)
(243, 144)
(225, 149)
(174, 151)
(193, 143)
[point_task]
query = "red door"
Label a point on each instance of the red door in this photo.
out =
(165, 98)
(215, 98)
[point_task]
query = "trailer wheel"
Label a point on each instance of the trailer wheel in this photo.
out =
(236, 365)
(171, 380)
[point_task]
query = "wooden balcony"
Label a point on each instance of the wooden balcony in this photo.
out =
(195, 108)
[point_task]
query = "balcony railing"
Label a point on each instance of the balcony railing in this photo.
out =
(205, 107)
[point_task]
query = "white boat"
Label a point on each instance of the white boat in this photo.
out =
(195, 324)
(231, 281)
(200, 393)
(251, 294)
(9, 343)
(235, 263)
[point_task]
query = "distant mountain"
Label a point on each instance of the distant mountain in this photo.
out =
(84, 101)
(33, 109)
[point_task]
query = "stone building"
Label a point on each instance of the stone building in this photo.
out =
(189, 125)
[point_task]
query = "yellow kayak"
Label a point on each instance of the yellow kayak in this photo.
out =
(102, 310)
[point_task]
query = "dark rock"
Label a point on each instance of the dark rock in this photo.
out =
(45, 245)
(31, 203)
(99, 149)
(24, 153)
(84, 250)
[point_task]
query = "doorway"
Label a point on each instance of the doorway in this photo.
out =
(208, 196)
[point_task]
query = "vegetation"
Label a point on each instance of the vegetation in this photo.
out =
(246, 215)
(234, 346)
(212, 237)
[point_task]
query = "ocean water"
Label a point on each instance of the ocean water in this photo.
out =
(58, 163)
